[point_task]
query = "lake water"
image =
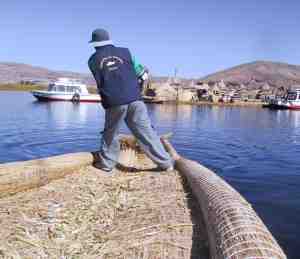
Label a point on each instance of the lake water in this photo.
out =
(256, 150)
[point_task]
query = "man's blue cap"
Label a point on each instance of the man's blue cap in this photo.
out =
(99, 35)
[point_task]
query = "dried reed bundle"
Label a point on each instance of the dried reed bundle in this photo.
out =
(137, 213)
(234, 229)
(78, 212)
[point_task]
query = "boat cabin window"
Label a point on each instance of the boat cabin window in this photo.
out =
(51, 87)
(73, 89)
(61, 88)
(64, 88)
(292, 96)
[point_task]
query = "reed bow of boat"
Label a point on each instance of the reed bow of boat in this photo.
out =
(234, 229)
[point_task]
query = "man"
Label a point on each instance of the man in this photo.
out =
(116, 74)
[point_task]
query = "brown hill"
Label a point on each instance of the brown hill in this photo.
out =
(253, 75)
(16, 72)
(258, 73)
(11, 72)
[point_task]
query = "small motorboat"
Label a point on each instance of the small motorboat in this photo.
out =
(276, 104)
(293, 99)
(65, 89)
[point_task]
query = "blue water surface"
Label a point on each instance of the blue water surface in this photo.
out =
(256, 150)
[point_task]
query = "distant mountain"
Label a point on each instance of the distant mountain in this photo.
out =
(16, 72)
(258, 73)
(252, 75)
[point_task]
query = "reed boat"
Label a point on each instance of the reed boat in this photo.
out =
(63, 207)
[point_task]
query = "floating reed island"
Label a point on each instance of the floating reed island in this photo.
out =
(63, 207)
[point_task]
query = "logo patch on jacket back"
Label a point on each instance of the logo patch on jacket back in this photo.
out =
(111, 63)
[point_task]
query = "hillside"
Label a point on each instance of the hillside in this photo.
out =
(257, 73)
(16, 72)
(252, 75)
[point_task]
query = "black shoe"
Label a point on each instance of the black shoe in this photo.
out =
(99, 166)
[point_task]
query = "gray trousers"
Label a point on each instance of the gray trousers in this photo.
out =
(136, 118)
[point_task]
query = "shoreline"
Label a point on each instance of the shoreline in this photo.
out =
(206, 103)
(20, 87)
(237, 104)
(92, 90)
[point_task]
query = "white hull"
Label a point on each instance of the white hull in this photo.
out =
(57, 96)
(293, 105)
(292, 101)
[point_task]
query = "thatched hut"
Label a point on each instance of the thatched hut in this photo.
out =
(162, 91)
(187, 94)
(215, 93)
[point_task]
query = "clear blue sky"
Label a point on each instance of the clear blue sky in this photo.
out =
(197, 36)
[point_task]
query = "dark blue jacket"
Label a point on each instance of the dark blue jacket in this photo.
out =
(114, 73)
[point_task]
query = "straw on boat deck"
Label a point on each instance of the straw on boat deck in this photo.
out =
(79, 213)
(139, 213)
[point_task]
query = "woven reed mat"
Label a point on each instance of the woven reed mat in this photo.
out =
(137, 213)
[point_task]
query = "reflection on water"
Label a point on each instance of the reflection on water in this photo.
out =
(34, 129)
(169, 112)
(294, 117)
(65, 113)
(255, 150)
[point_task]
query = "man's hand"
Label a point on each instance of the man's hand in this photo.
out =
(143, 77)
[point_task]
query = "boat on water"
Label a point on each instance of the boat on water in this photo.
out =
(290, 101)
(276, 104)
(293, 99)
(63, 207)
(66, 89)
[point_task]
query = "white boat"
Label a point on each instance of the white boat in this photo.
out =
(65, 89)
(277, 104)
(293, 99)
